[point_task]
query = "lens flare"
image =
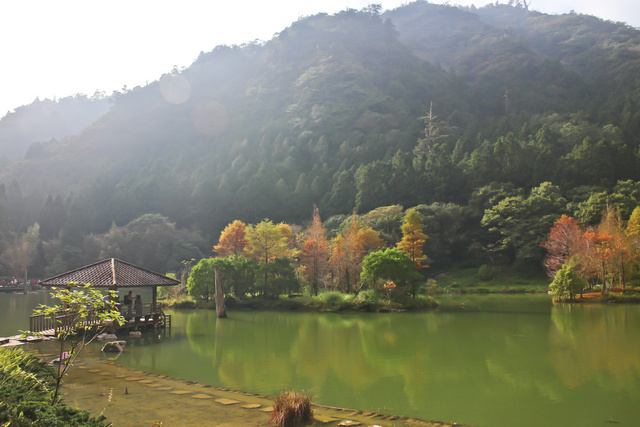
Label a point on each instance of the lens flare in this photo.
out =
(210, 118)
(175, 89)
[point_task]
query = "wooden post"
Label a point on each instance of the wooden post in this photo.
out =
(220, 311)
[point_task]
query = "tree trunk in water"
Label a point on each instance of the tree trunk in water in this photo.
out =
(25, 287)
(219, 294)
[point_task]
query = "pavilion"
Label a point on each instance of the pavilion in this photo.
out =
(114, 274)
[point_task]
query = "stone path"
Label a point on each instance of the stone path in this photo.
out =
(129, 397)
(17, 340)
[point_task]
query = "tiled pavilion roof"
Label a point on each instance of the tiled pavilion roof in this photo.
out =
(111, 273)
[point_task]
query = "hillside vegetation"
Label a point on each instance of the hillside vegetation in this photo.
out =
(493, 122)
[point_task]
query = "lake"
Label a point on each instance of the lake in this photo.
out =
(485, 360)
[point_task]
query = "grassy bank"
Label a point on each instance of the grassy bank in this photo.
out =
(366, 301)
(490, 280)
(26, 385)
(452, 280)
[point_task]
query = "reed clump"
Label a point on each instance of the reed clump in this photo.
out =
(291, 409)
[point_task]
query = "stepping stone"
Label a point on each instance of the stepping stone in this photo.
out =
(165, 388)
(145, 381)
(120, 376)
(252, 406)
(349, 423)
(181, 392)
(227, 401)
(133, 378)
(324, 420)
(267, 409)
(202, 396)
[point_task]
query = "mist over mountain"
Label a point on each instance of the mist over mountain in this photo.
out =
(332, 111)
(42, 121)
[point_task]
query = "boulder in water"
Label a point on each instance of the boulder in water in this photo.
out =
(112, 347)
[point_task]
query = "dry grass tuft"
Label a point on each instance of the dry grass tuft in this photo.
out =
(291, 409)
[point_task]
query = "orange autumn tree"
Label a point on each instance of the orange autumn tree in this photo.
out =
(595, 255)
(413, 238)
(349, 249)
(563, 242)
(314, 253)
(233, 240)
(619, 245)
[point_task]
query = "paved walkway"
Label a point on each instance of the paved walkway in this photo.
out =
(134, 398)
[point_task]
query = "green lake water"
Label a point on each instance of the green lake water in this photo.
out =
(493, 360)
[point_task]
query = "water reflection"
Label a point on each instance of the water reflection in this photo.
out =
(480, 360)
(592, 344)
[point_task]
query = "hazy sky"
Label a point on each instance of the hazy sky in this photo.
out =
(57, 48)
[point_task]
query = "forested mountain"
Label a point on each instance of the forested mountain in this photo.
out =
(493, 121)
(43, 121)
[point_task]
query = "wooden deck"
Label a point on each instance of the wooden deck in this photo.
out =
(144, 318)
(7, 289)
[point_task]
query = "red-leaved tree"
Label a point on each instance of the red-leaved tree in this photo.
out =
(563, 242)
(314, 253)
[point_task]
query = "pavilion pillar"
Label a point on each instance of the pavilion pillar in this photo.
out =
(154, 310)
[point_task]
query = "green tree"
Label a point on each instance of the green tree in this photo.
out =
(522, 223)
(239, 274)
(152, 241)
(567, 283)
(277, 277)
(20, 253)
(83, 313)
(393, 265)
(201, 282)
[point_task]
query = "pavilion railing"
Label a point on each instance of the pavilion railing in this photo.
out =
(60, 321)
(65, 321)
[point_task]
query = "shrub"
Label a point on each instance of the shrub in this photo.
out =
(567, 283)
(26, 384)
(485, 273)
(331, 298)
(432, 287)
(291, 409)
(421, 302)
(368, 296)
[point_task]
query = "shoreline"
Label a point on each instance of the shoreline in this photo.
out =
(127, 396)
